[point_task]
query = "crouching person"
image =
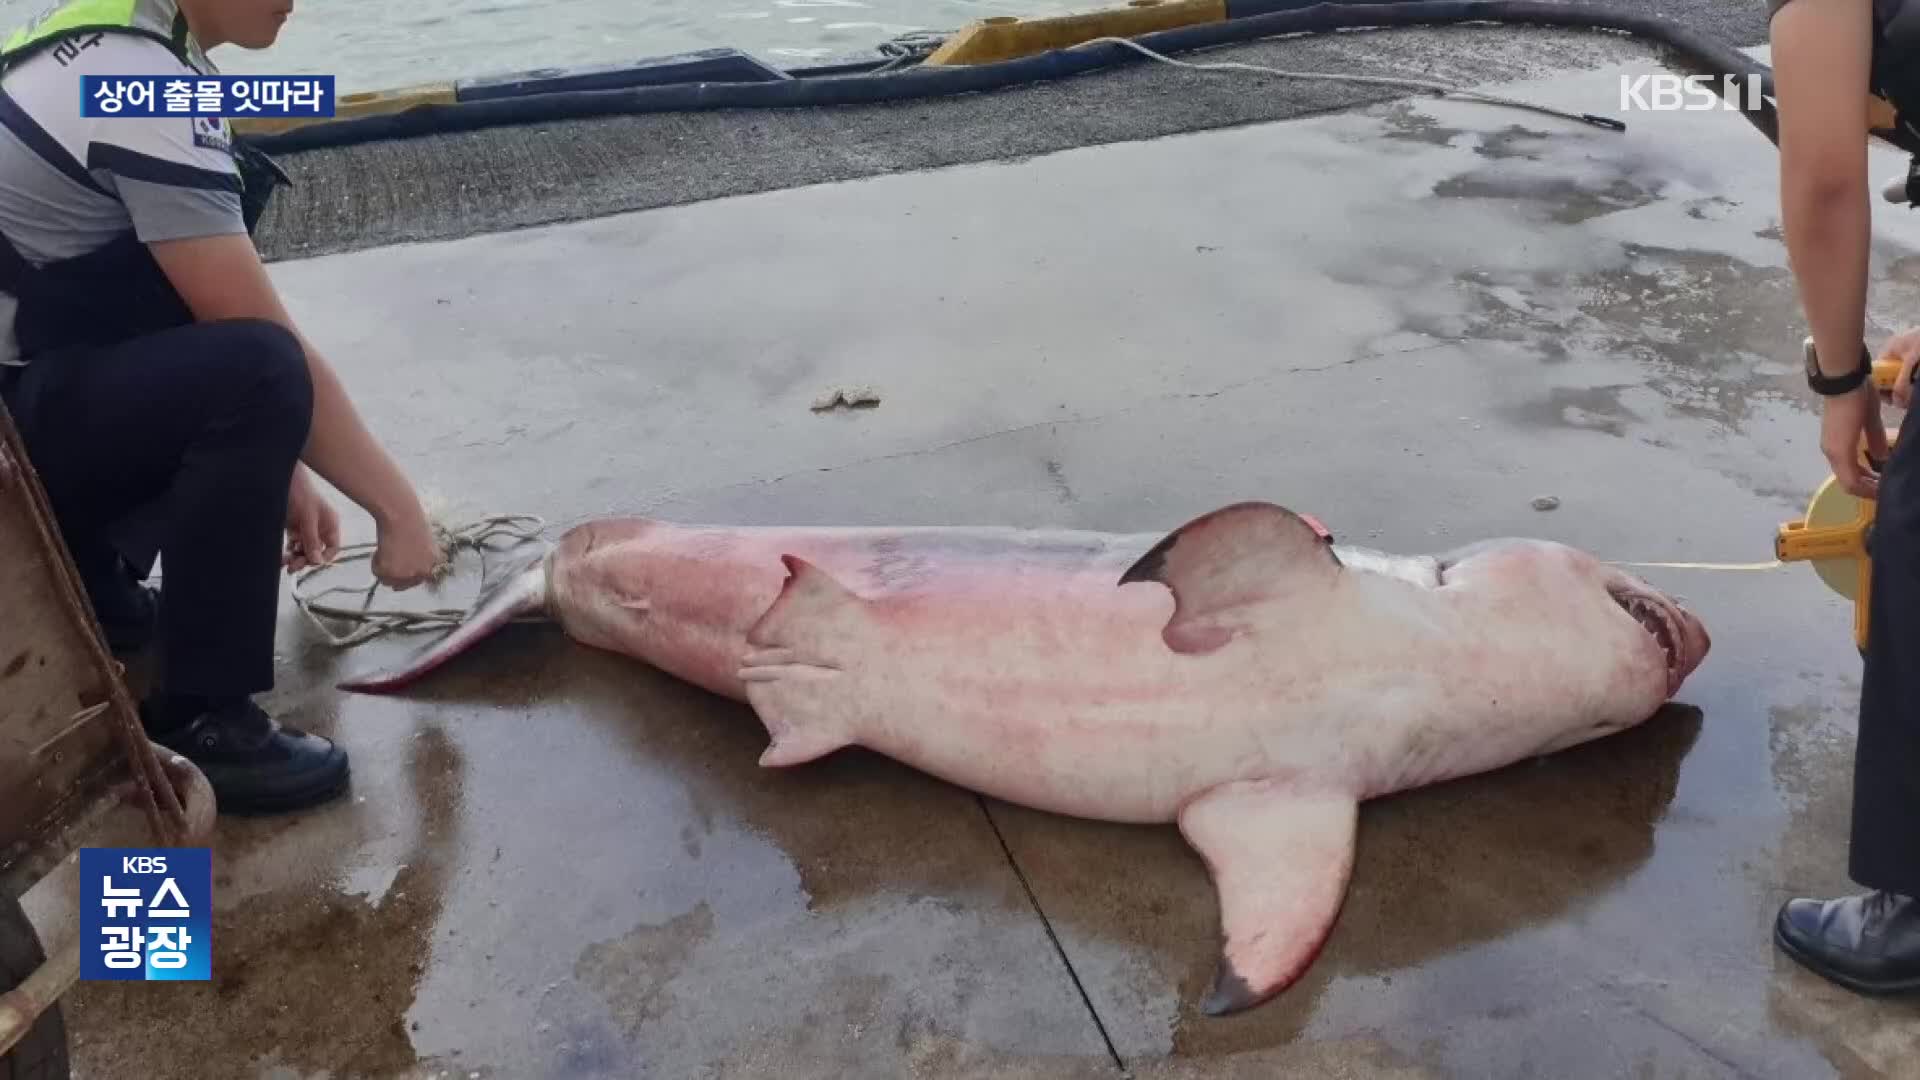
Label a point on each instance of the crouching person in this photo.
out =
(155, 376)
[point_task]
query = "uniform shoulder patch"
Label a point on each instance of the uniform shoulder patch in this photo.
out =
(211, 132)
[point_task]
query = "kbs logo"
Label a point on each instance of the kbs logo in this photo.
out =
(1667, 92)
(146, 913)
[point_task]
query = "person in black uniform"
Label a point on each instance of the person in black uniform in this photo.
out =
(1828, 55)
(156, 379)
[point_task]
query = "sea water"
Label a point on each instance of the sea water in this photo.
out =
(377, 44)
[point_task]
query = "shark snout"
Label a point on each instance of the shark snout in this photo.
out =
(1680, 633)
(1694, 643)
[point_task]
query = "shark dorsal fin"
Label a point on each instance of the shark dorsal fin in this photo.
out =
(1226, 562)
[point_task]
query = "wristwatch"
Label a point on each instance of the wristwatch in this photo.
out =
(1834, 385)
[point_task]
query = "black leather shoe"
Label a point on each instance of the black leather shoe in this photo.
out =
(256, 764)
(1869, 943)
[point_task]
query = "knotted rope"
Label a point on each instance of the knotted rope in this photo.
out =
(372, 622)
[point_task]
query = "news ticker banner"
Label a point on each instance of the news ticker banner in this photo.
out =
(146, 914)
(206, 95)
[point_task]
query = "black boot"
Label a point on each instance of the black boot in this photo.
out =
(256, 764)
(1869, 943)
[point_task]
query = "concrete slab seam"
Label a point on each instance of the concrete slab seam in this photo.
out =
(1046, 924)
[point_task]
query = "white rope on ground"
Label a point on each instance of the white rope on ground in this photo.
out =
(1431, 85)
(372, 622)
(1773, 564)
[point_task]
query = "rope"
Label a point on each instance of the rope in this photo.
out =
(910, 46)
(1771, 565)
(913, 43)
(1436, 87)
(373, 622)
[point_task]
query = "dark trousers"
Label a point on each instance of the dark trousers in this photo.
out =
(198, 428)
(1885, 852)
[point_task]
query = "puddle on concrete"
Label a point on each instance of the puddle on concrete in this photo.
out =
(370, 883)
(1596, 408)
(637, 893)
(1405, 121)
(633, 971)
(1703, 332)
(278, 954)
(1411, 905)
(1359, 1058)
(1565, 200)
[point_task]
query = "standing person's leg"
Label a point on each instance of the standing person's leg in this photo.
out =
(213, 416)
(1871, 942)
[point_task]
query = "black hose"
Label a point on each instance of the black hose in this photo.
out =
(1249, 20)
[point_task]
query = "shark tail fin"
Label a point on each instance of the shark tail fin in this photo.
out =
(514, 587)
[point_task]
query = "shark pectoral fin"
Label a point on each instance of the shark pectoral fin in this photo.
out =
(804, 708)
(798, 736)
(1225, 564)
(811, 607)
(801, 696)
(1280, 858)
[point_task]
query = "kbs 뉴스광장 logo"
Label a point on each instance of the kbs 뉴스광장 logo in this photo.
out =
(146, 914)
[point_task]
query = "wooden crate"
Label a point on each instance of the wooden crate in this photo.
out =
(59, 687)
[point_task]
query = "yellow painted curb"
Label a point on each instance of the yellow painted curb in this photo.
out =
(992, 40)
(365, 103)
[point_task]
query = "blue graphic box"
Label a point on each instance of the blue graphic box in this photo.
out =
(146, 914)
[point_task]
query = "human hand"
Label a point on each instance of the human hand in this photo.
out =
(313, 527)
(1905, 347)
(407, 553)
(1846, 420)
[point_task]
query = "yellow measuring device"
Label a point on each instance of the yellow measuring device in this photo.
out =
(1833, 534)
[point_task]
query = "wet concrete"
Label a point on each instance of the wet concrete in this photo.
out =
(1412, 320)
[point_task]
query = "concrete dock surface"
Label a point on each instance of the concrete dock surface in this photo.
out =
(1411, 319)
(462, 183)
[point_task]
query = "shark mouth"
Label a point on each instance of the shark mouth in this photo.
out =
(1655, 619)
